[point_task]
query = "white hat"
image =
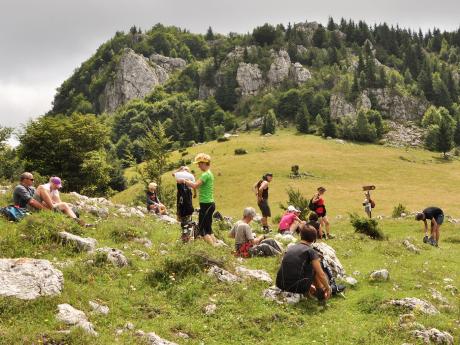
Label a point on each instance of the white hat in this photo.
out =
(292, 209)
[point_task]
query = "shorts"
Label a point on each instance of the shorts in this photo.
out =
(321, 211)
(264, 208)
(440, 219)
(205, 218)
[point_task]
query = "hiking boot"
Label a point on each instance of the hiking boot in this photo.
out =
(431, 241)
(330, 236)
(324, 237)
(425, 239)
(266, 230)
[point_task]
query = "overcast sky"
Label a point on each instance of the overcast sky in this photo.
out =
(43, 41)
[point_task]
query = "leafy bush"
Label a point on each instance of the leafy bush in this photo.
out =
(398, 210)
(240, 151)
(366, 226)
(43, 227)
(222, 139)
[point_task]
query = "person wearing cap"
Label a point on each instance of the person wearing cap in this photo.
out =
(23, 194)
(205, 186)
(261, 191)
(436, 217)
(320, 210)
(48, 196)
(290, 221)
(153, 203)
(246, 245)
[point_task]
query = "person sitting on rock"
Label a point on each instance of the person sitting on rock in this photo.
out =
(436, 216)
(290, 221)
(301, 271)
(48, 196)
(23, 194)
(153, 203)
(245, 243)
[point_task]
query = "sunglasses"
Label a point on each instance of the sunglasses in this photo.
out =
(31, 179)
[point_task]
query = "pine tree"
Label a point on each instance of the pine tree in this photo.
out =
(445, 135)
(355, 89)
(457, 132)
(269, 123)
(209, 34)
(330, 128)
(303, 120)
(319, 122)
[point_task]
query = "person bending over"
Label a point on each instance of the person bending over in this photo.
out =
(184, 195)
(245, 243)
(290, 221)
(436, 217)
(153, 203)
(300, 270)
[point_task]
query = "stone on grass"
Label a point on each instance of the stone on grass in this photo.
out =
(86, 244)
(223, 275)
(144, 241)
(410, 247)
(141, 254)
(453, 289)
(115, 256)
(29, 278)
(380, 275)
(275, 294)
(350, 280)
(74, 317)
(434, 335)
(153, 339)
(210, 309)
(407, 321)
(98, 308)
(438, 296)
(129, 326)
(415, 304)
(329, 255)
(255, 274)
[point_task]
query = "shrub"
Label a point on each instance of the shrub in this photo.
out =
(366, 226)
(296, 199)
(43, 227)
(222, 139)
(123, 233)
(398, 210)
(240, 151)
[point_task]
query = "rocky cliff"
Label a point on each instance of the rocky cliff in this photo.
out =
(135, 77)
(392, 105)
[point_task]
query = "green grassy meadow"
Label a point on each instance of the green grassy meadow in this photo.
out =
(167, 293)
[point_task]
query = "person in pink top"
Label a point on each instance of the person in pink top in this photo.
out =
(290, 221)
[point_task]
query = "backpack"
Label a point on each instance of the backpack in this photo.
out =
(311, 205)
(13, 213)
(372, 203)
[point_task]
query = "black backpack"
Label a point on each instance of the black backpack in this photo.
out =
(311, 205)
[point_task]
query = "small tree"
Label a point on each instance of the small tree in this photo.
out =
(302, 120)
(269, 123)
(319, 122)
(156, 145)
(330, 129)
(457, 132)
(445, 135)
(364, 131)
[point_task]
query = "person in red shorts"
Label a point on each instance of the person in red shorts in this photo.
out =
(320, 210)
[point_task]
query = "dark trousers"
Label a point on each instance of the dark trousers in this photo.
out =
(205, 218)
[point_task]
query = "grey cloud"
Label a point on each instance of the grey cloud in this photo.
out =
(43, 41)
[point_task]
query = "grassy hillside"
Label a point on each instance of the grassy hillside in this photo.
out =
(416, 178)
(168, 292)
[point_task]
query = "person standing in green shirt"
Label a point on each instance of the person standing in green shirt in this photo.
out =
(205, 186)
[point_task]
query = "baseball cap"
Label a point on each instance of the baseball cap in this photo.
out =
(292, 209)
(56, 181)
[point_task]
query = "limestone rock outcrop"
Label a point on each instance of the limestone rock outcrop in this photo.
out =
(249, 78)
(29, 278)
(135, 77)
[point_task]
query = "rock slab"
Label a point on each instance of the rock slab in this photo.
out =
(115, 256)
(29, 278)
(254, 274)
(413, 303)
(74, 317)
(86, 244)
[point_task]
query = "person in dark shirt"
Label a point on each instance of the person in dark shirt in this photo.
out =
(153, 203)
(436, 216)
(301, 271)
(261, 190)
(23, 194)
